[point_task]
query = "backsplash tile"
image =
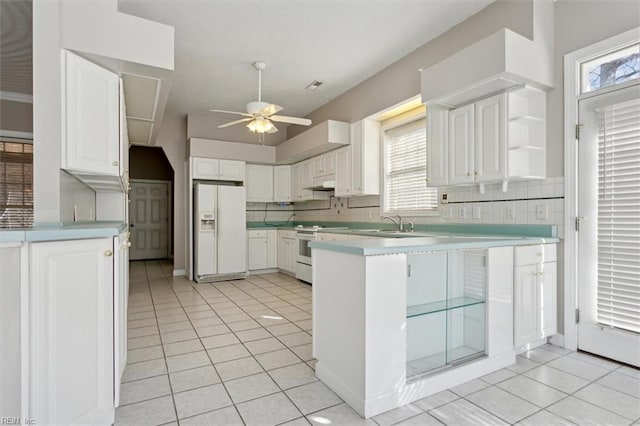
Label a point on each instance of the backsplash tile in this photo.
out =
(517, 205)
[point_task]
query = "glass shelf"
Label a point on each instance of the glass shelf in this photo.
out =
(442, 305)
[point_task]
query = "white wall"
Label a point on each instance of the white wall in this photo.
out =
(87, 27)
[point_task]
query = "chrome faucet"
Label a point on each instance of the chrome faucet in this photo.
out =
(398, 222)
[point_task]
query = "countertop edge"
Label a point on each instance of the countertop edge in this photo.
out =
(63, 231)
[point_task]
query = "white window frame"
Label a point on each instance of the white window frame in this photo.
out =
(389, 124)
(573, 94)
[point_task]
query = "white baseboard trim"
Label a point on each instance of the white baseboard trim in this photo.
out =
(179, 272)
(557, 339)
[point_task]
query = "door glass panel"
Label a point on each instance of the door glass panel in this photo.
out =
(610, 69)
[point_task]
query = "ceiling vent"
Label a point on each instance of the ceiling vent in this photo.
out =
(313, 85)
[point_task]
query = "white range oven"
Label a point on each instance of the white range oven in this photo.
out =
(304, 235)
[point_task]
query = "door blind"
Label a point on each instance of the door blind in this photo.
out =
(619, 215)
(406, 170)
(16, 184)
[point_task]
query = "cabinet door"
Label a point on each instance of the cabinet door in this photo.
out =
(308, 167)
(343, 163)
(289, 247)
(281, 252)
(548, 297)
(91, 130)
(330, 160)
(437, 137)
(490, 140)
(257, 253)
(232, 170)
(318, 166)
(120, 300)
(272, 248)
(205, 168)
(71, 332)
(282, 184)
(526, 305)
(259, 183)
(461, 134)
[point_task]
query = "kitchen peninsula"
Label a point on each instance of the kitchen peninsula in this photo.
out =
(398, 319)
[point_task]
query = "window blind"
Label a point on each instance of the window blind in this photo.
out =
(619, 216)
(16, 184)
(406, 170)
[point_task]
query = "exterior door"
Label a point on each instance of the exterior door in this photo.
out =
(149, 216)
(609, 234)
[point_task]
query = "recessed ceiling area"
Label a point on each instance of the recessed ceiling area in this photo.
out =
(340, 43)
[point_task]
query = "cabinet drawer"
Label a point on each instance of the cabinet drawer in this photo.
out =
(257, 234)
(530, 255)
(286, 234)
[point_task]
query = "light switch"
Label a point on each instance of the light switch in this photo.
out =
(511, 212)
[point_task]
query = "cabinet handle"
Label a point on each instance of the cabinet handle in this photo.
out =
(477, 174)
(469, 174)
(115, 163)
(108, 253)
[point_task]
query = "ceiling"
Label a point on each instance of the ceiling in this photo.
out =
(340, 43)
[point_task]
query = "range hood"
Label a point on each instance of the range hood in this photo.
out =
(327, 185)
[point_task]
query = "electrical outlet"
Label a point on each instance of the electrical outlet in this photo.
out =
(511, 212)
(444, 198)
(541, 212)
(462, 212)
(370, 215)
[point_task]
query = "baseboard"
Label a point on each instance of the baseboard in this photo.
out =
(557, 339)
(179, 272)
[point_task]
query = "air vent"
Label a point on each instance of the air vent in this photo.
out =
(313, 85)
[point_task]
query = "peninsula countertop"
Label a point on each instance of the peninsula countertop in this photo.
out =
(424, 241)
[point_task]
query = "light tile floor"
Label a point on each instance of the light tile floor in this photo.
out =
(239, 353)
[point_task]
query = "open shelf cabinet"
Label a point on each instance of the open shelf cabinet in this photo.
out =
(446, 310)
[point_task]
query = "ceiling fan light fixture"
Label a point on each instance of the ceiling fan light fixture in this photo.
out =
(260, 125)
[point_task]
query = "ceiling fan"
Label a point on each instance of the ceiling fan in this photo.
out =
(261, 115)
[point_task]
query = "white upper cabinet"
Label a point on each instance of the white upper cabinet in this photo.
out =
(259, 183)
(490, 145)
(91, 141)
(205, 168)
(365, 157)
(232, 170)
(493, 140)
(461, 145)
(343, 175)
(214, 169)
(437, 135)
(282, 184)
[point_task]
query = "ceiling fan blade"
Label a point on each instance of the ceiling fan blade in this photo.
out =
(231, 123)
(271, 109)
(291, 120)
(231, 112)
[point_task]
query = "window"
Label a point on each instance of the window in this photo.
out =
(16, 184)
(619, 215)
(613, 68)
(405, 170)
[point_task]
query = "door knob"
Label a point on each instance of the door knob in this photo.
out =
(132, 225)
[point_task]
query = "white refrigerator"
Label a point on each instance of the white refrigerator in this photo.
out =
(220, 247)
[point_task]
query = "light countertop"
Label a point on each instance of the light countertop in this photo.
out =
(62, 231)
(426, 242)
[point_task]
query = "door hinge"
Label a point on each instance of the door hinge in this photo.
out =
(408, 270)
(578, 131)
(577, 223)
(577, 316)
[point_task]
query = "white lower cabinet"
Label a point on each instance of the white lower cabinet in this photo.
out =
(535, 316)
(287, 250)
(121, 246)
(71, 332)
(262, 249)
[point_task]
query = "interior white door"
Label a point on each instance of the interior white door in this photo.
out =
(609, 235)
(149, 215)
